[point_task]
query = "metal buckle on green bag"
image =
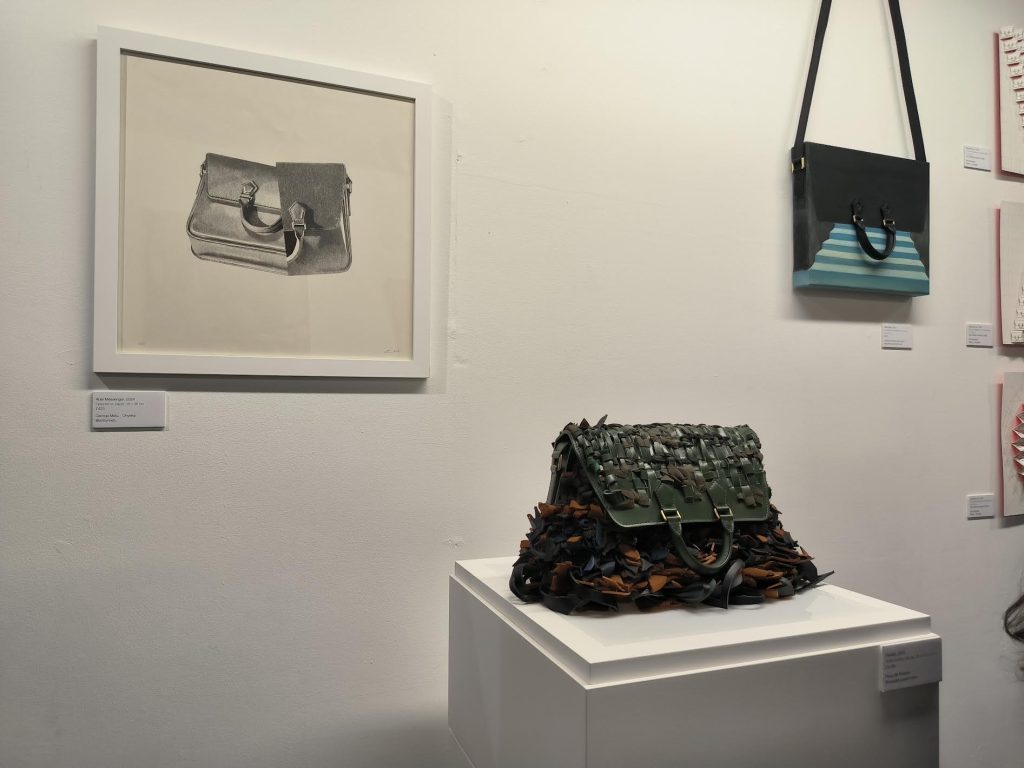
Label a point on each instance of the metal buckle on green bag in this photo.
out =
(723, 512)
(673, 517)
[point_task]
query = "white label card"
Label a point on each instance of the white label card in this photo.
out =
(979, 334)
(897, 336)
(981, 506)
(1010, 45)
(1013, 58)
(1019, 95)
(129, 410)
(1005, 33)
(909, 663)
(1017, 84)
(1017, 70)
(979, 158)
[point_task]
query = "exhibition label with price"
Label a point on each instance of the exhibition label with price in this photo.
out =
(129, 410)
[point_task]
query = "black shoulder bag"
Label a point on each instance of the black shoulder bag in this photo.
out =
(860, 220)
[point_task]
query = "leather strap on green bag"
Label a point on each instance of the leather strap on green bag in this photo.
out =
(674, 521)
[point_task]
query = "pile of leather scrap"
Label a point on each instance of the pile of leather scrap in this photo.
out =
(574, 560)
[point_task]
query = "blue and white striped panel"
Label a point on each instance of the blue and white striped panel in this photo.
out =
(842, 264)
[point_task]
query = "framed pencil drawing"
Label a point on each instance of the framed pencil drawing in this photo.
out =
(257, 215)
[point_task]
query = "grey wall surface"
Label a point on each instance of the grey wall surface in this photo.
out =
(264, 583)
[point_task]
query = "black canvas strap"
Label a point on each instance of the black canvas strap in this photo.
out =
(908, 83)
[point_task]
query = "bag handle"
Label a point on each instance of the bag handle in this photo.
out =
(723, 513)
(253, 224)
(298, 213)
(888, 224)
(250, 218)
(908, 83)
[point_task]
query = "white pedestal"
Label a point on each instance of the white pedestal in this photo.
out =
(792, 682)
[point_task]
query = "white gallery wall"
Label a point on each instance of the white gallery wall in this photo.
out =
(264, 583)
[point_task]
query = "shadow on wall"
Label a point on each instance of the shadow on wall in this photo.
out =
(395, 739)
(166, 664)
(851, 307)
(415, 743)
(285, 384)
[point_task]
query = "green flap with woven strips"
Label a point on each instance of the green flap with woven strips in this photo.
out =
(653, 474)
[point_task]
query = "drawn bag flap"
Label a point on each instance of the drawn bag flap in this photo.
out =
(321, 187)
(225, 177)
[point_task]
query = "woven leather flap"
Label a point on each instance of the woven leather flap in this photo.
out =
(226, 175)
(638, 472)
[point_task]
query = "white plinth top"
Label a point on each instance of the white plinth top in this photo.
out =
(609, 648)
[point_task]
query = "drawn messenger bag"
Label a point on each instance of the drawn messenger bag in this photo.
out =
(860, 219)
(287, 218)
(657, 513)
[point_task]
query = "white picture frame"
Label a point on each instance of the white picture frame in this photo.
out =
(1011, 426)
(1010, 240)
(152, 296)
(1009, 60)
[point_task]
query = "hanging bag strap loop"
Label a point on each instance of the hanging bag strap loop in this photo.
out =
(908, 83)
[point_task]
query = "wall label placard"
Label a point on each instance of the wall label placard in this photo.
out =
(129, 410)
(909, 663)
(897, 336)
(979, 334)
(981, 505)
(978, 158)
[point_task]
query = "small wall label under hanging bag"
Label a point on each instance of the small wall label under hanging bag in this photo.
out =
(860, 219)
(238, 217)
(657, 514)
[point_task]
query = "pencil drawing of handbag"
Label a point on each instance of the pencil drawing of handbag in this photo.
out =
(287, 218)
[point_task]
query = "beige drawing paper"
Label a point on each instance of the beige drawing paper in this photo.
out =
(171, 302)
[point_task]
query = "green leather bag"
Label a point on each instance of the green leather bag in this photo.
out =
(657, 512)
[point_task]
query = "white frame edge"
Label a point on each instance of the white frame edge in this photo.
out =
(110, 43)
